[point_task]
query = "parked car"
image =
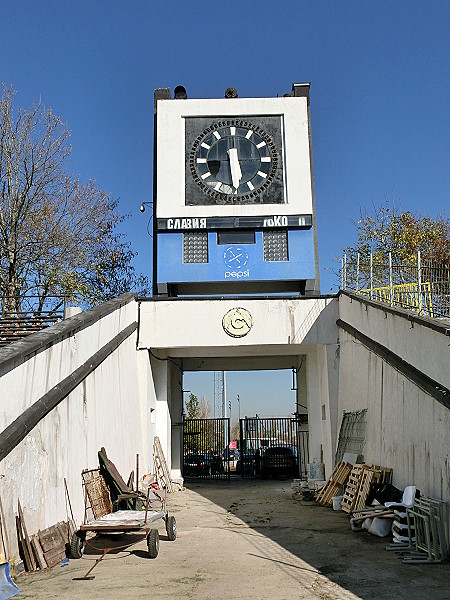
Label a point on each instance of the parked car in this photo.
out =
(202, 465)
(230, 458)
(246, 464)
(279, 461)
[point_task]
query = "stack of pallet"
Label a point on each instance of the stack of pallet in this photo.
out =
(359, 482)
(46, 548)
(334, 483)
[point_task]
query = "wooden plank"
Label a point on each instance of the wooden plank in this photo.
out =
(5, 531)
(25, 553)
(72, 527)
(38, 552)
(336, 480)
(63, 532)
(25, 535)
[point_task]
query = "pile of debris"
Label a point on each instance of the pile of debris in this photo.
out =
(420, 526)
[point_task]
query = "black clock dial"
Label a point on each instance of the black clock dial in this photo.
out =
(233, 158)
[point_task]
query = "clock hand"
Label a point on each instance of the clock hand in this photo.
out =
(236, 173)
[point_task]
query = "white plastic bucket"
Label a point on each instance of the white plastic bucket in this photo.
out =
(337, 502)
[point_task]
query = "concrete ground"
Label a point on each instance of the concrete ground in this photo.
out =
(245, 540)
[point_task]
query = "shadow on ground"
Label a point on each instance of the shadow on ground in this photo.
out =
(323, 539)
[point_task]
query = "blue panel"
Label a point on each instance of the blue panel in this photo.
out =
(236, 262)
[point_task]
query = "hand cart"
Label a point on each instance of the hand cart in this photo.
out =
(98, 504)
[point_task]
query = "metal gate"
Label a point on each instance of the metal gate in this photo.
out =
(205, 448)
(272, 448)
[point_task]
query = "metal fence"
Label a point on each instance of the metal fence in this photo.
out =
(204, 444)
(272, 446)
(423, 287)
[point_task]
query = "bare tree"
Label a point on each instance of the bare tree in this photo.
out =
(34, 145)
(57, 235)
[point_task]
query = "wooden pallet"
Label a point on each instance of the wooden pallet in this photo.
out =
(359, 482)
(331, 488)
(351, 489)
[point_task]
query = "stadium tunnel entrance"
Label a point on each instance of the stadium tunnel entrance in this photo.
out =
(269, 438)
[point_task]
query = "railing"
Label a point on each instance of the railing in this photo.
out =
(423, 288)
(31, 318)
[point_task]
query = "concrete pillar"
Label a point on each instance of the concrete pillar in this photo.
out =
(313, 396)
(147, 401)
(322, 393)
(302, 410)
(70, 311)
(176, 416)
(160, 375)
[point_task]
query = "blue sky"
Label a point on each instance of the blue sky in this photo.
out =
(380, 90)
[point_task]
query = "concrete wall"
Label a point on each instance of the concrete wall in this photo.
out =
(407, 429)
(109, 408)
(286, 333)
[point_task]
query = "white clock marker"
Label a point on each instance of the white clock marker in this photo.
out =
(251, 187)
(201, 161)
(204, 145)
(235, 167)
(217, 135)
(261, 174)
(233, 130)
(261, 144)
(217, 186)
(249, 134)
(205, 175)
(266, 159)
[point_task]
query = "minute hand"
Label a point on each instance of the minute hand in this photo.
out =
(236, 173)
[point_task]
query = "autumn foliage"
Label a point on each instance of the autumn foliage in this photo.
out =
(401, 233)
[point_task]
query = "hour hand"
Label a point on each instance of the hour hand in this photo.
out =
(236, 173)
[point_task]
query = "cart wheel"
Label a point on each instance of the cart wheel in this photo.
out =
(153, 543)
(171, 528)
(76, 546)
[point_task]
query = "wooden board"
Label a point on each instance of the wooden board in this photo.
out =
(336, 480)
(25, 553)
(38, 552)
(63, 532)
(54, 557)
(50, 539)
(26, 538)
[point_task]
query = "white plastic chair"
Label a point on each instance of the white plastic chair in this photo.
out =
(409, 493)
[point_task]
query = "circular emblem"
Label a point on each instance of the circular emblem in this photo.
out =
(235, 257)
(237, 322)
(234, 158)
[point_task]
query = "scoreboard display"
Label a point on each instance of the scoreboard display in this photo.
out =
(234, 208)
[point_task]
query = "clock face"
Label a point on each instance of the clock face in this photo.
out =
(237, 322)
(234, 161)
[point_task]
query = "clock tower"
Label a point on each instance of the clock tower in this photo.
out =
(234, 206)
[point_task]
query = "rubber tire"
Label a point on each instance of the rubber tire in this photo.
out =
(153, 543)
(171, 528)
(76, 546)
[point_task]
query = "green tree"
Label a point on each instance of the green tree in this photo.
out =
(58, 236)
(193, 407)
(387, 229)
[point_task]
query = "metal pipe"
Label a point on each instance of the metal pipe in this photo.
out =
(419, 281)
(391, 284)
